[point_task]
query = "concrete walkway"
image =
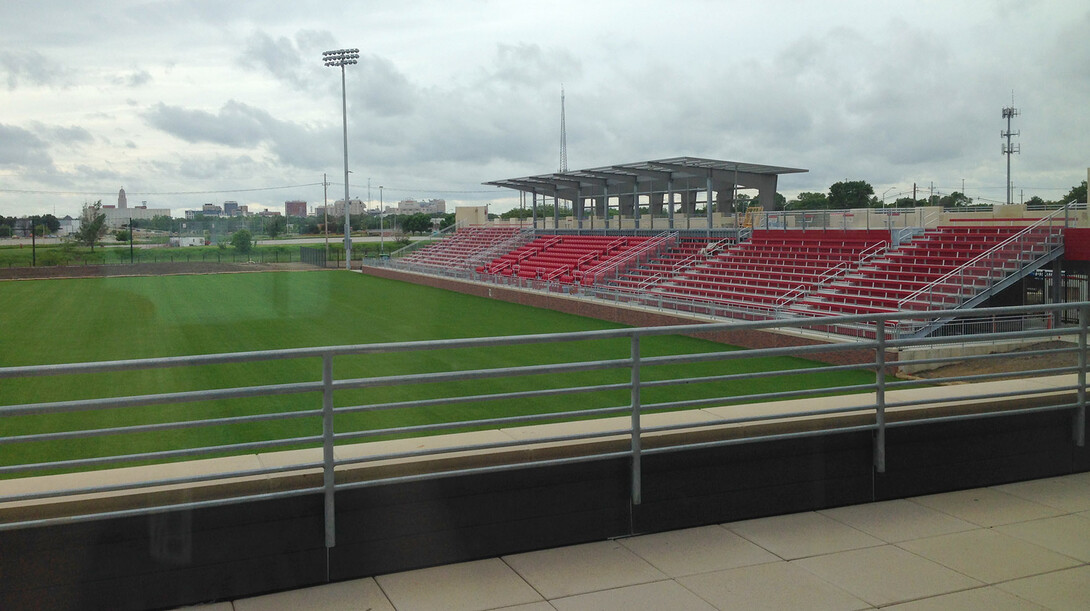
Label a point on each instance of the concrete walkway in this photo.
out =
(1016, 546)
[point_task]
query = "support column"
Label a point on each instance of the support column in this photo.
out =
(670, 201)
(625, 202)
(708, 206)
(533, 208)
(766, 190)
(578, 208)
(725, 198)
(636, 203)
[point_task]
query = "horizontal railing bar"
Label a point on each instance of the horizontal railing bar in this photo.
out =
(750, 376)
(787, 394)
(832, 411)
(993, 395)
(155, 456)
(549, 392)
(755, 353)
(425, 428)
(479, 374)
(193, 396)
(980, 377)
(989, 338)
(164, 426)
(174, 481)
(985, 357)
(144, 511)
(743, 440)
(495, 445)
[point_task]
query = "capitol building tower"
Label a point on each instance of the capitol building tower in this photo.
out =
(121, 201)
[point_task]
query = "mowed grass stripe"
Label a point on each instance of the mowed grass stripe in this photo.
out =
(61, 321)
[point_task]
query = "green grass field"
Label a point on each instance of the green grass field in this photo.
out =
(59, 321)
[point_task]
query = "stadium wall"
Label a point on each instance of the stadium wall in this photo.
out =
(224, 553)
(634, 317)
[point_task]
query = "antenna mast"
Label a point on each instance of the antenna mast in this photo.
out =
(1009, 149)
(563, 134)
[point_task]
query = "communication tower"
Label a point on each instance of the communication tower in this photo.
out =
(563, 135)
(1009, 149)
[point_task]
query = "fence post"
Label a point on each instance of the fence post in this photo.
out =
(880, 398)
(1080, 411)
(327, 449)
(637, 477)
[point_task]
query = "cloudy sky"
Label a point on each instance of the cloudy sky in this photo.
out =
(189, 101)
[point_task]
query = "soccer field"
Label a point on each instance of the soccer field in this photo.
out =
(63, 321)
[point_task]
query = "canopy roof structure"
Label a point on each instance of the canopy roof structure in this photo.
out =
(662, 176)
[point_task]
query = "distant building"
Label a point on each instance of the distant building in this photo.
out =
(431, 206)
(116, 217)
(295, 208)
(355, 207)
(69, 226)
(212, 210)
(122, 201)
(230, 208)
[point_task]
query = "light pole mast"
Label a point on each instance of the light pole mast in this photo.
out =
(342, 58)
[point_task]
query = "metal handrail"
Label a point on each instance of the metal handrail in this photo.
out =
(654, 244)
(990, 253)
(634, 361)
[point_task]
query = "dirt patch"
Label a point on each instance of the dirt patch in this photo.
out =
(1010, 362)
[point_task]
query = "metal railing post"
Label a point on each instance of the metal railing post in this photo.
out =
(327, 449)
(1080, 412)
(880, 398)
(637, 487)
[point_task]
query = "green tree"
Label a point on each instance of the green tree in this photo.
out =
(92, 225)
(275, 226)
(417, 223)
(1036, 202)
(809, 201)
(5, 231)
(955, 199)
(121, 235)
(850, 194)
(1075, 195)
(242, 240)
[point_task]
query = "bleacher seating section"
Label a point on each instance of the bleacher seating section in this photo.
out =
(812, 273)
(773, 268)
(561, 257)
(893, 282)
(463, 245)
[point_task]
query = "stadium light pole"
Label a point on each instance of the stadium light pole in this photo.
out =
(381, 231)
(341, 58)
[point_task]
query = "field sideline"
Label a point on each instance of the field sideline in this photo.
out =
(60, 321)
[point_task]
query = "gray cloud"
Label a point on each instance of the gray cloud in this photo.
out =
(30, 68)
(236, 124)
(19, 147)
(133, 79)
(69, 136)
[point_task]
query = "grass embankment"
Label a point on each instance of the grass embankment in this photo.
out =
(61, 321)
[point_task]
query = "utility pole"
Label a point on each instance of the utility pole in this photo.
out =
(1009, 149)
(325, 197)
